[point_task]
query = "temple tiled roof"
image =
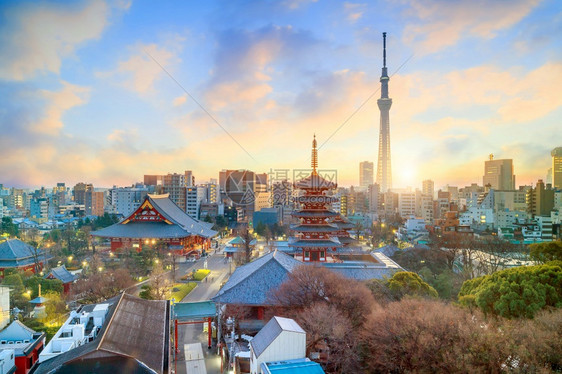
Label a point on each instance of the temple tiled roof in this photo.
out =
(62, 274)
(314, 227)
(250, 284)
(313, 243)
(182, 224)
(16, 253)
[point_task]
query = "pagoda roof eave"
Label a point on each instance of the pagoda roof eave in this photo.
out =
(314, 228)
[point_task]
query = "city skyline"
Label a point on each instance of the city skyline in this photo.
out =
(86, 99)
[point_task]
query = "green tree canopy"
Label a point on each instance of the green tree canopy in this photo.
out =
(515, 293)
(402, 283)
(405, 283)
(547, 251)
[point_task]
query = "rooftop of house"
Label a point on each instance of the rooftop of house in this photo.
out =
(271, 331)
(19, 337)
(62, 274)
(135, 334)
(298, 366)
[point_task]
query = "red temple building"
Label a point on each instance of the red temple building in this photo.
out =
(159, 222)
(315, 240)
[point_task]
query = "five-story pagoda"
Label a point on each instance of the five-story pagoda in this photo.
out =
(315, 240)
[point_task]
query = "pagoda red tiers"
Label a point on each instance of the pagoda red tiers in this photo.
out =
(316, 238)
(159, 222)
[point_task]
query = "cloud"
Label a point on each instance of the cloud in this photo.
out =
(59, 102)
(296, 4)
(41, 35)
(144, 66)
(435, 25)
(180, 100)
(354, 11)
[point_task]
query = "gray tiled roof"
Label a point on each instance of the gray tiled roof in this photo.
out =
(388, 250)
(138, 230)
(183, 226)
(134, 328)
(304, 243)
(250, 284)
(271, 331)
(62, 274)
(174, 213)
(13, 249)
(16, 253)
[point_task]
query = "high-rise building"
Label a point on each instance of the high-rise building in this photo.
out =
(540, 200)
(126, 200)
(194, 196)
(384, 171)
(428, 187)
(557, 167)
(246, 190)
(365, 174)
(79, 192)
(176, 185)
(373, 195)
(499, 174)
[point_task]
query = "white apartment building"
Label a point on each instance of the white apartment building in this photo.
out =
(80, 328)
(194, 196)
(125, 200)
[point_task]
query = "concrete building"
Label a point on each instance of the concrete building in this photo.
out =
(80, 328)
(246, 190)
(21, 345)
(194, 196)
(540, 200)
(373, 197)
(4, 306)
(557, 167)
(176, 186)
(407, 204)
(428, 187)
(499, 174)
(366, 174)
(126, 200)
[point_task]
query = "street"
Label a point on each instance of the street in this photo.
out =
(189, 334)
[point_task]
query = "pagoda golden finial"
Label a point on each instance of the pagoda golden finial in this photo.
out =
(314, 162)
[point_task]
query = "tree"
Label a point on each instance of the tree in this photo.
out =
(331, 308)
(515, 293)
(493, 253)
(159, 283)
(547, 251)
(15, 283)
(308, 285)
(420, 336)
(35, 252)
(9, 227)
(401, 284)
(98, 286)
(246, 254)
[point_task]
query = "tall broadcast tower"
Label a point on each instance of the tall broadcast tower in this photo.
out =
(384, 172)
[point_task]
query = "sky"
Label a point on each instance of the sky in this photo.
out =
(105, 92)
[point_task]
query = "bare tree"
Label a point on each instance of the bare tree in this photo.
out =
(99, 286)
(159, 283)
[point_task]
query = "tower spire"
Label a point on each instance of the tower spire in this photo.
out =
(384, 49)
(384, 171)
(314, 162)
